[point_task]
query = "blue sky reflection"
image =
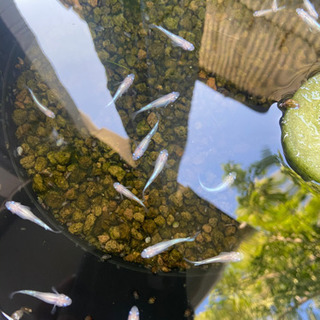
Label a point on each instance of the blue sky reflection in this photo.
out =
(223, 130)
(66, 41)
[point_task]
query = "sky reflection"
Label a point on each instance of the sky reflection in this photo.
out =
(218, 134)
(71, 52)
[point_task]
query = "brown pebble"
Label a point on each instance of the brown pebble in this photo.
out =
(165, 269)
(289, 103)
(187, 313)
(213, 222)
(170, 219)
(207, 228)
(19, 105)
(202, 75)
(136, 295)
(152, 300)
(142, 54)
(152, 119)
(138, 217)
(93, 3)
(229, 231)
(211, 82)
(103, 238)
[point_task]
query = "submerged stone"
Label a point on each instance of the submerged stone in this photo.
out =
(76, 228)
(19, 116)
(83, 201)
(85, 162)
(301, 131)
(90, 220)
(27, 162)
(37, 184)
(54, 199)
(149, 226)
(62, 157)
(117, 172)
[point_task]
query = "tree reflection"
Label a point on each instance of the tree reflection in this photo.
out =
(280, 270)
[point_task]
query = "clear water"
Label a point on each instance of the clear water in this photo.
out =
(229, 124)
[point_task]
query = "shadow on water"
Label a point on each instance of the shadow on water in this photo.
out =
(240, 61)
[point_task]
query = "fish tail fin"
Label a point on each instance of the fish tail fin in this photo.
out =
(195, 263)
(204, 187)
(13, 293)
(190, 239)
(109, 103)
(56, 231)
(145, 189)
(133, 115)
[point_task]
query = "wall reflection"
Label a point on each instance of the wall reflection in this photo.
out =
(266, 56)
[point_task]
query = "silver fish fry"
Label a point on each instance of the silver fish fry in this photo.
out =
(25, 213)
(161, 102)
(164, 245)
(55, 298)
(223, 257)
(310, 8)
(260, 13)
(309, 20)
(177, 40)
(124, 86)
(143, 145)
(40, 106)
(274, 8)
(124, 191)
(227, 182)
(161, 161)
(134, 313)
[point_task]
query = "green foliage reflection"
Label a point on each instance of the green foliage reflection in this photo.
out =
(281, 266)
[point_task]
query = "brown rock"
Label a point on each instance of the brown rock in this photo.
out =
(113, 246)
(211, 82)
(142, 54)
(149, 226)
(230, 230)
(138, 217)
(128, 213)
(93, 3)
(103, 238)
(207, 228)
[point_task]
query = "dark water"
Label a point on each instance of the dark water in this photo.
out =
(224, 121)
